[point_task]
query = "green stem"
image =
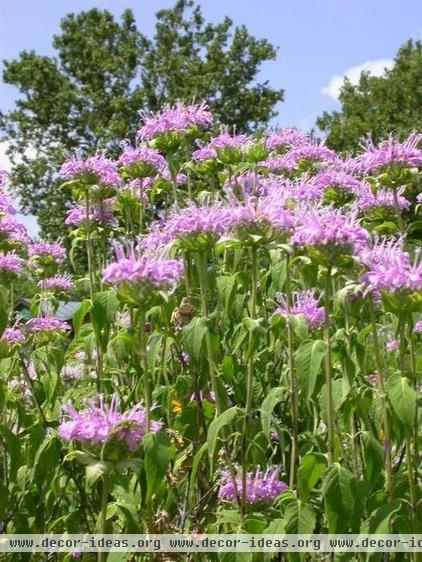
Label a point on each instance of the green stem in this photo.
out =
(415, 386)
(292, 382)
(144, 363)
(203, 281)
(202, 268)
(329, 369)
(141, 207)
(89, 249)
(399, 215)
(381, 389)
(249, 375)
(102, 556)
(409, 451)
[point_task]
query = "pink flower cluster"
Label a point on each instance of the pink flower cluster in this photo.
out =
(261, 485)
(304, 304)
(99, 422)
(179, 118)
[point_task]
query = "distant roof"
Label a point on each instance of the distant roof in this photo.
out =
(66, 310)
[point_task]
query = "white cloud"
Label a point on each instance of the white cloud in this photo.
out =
(30, 221)
(4, 159)
(374, 67)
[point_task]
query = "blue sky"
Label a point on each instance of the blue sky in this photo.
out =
(318, 40)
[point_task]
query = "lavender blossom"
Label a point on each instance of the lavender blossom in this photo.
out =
(177, 119)
(56, 283)
(98, 214)
(98, 422)
(12, 230)
(133, 267)
(54, 251)
(389, 267)
(205, 153)
(382, 198)
(46, 324)
(261, 485)
(12, 335)
(304, 304)
(390, 151)
(323, 226)
(10, 263)
(92, 170)
(285, 138)
(417, 328)
(142, 160)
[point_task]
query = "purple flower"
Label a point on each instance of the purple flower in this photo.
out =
(278, 163)
(75, 371)
(46, 324)
(179, 119)
(303, 303)
(12, 335)
(389, 267)
(151, 160)
(382, 198)
(179, 179)
(260, 213)
(6, 206)
(140, 269)
(244, 185)
(56, 283)
(11, 229)
(227, 140)
(417, 328)
(99, 421)
(260, 485)
(211, 219)
(324, 225)
(10, 263)
(94, 169)
(205, 153)
(314, 150)
(340, 180)
(99, 214)
(392, 345)
(43, 249)
(390, 151)
(285, 138)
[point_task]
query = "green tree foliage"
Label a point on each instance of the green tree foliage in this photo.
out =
(105, 71)
(379, 106)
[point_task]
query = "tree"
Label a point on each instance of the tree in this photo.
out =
(379, 105)
(105, 71)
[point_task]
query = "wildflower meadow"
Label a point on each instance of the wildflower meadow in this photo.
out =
(245, 351)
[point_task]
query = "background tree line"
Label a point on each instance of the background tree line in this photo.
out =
(105, 70)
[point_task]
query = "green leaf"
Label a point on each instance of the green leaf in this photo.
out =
(195, 466)
(402, 398)
(275, 396)
(13, 446)
(299, 518)
(159, 450)
(193, 336)
(215, 426)
(339, 492)
(308, 359)
(79, 315)
(103, 310)
(94, 471)
(310, 470)
(46, 461)
(225, 288)
(379, 520)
